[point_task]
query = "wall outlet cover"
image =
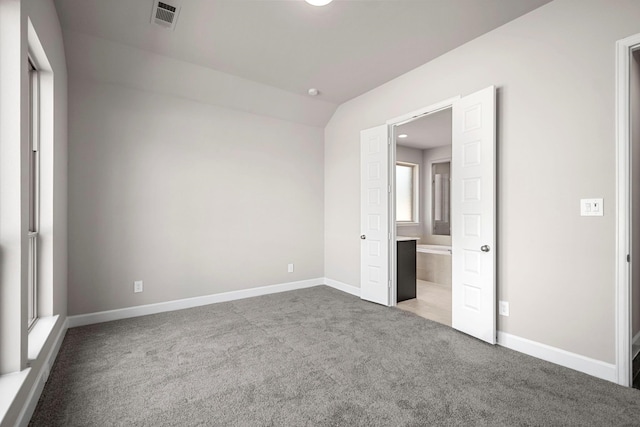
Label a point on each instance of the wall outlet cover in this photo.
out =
(503, 308)
(290, 268)
(137, 286)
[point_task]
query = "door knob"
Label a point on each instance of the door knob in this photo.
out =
(363, 237)
(485, 248)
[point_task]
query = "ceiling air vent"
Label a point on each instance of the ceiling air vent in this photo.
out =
(164, 14)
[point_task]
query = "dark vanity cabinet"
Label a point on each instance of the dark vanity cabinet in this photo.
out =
(406, 269)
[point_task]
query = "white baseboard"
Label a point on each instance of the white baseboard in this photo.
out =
(353, 290)
(41, 378)
(596, 368)
(143, 310)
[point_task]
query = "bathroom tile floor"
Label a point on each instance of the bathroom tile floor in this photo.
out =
(433, 302)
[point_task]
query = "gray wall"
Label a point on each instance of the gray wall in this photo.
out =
(554, 69)
(191, 198)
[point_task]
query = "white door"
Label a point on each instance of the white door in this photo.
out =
(374, 215)
(473, 202)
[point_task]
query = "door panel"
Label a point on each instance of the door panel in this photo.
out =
(473, 205)
(374, 215)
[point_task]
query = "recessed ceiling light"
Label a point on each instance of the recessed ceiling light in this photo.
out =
(313, 91)
(318, 2)
(403, 135)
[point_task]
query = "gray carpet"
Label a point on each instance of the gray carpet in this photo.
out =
(313, 357)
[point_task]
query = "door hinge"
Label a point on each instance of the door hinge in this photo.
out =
(389, 284)
(628, 258)
(389, 189)
(389, 236)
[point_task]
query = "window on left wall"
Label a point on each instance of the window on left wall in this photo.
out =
(34, 191)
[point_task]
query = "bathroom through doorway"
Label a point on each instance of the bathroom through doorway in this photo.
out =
(423, 215)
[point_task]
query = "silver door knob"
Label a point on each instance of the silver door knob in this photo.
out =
(363, 237)
(485, 248)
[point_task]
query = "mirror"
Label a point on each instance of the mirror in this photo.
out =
(440, 198)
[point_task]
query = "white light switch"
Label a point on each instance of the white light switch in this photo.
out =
(591, 207)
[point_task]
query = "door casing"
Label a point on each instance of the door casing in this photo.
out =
(624, 225)
(392, 123)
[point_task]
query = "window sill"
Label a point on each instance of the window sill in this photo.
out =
(407, 224)
(39, 334)
(10, 385)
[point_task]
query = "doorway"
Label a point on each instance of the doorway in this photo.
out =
(473, 200)
(628, 210)
(423, 215)
(634, 99)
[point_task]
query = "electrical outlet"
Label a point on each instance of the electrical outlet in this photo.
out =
(503, 308)
(290, 268)
(137, 286)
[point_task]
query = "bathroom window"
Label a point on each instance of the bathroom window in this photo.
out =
(406, 193)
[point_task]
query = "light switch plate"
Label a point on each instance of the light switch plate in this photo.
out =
(591, 207)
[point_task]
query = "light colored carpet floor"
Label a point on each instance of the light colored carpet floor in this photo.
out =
(313, 357)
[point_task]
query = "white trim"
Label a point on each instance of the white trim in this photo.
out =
(350, 289)
(623, 220)
(143, 310)
(596, 368)
(41, 378)
(10, 385)
(430, 109)
(38, 336)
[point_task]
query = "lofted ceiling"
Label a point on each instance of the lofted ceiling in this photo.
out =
(344, 49)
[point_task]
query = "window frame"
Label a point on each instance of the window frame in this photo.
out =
(415, 208)
(34, 193)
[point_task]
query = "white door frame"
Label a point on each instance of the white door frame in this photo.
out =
(624, 49)
(392, 123)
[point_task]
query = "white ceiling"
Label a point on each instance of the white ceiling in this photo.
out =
(426, 132)
(343, 49)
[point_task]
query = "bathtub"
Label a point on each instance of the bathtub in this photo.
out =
(433, 263)
(434, 249)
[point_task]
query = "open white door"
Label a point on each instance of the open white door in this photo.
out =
(473, 205)
(374, 215)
